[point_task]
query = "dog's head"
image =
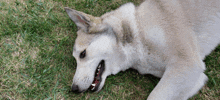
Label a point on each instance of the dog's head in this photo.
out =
(97, 49)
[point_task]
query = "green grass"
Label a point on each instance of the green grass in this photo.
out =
(36, 42)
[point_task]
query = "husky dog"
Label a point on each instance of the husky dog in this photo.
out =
(166, 38)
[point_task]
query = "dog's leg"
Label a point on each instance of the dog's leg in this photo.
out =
(179, 82)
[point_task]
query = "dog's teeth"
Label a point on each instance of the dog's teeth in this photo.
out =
(93, 88)
(93, 84)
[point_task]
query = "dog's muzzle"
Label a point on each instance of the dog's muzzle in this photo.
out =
(97, 79)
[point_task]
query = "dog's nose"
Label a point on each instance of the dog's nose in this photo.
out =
(75, 88)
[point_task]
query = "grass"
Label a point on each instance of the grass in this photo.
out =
(36, 40)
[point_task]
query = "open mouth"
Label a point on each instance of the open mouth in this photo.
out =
(98, 73)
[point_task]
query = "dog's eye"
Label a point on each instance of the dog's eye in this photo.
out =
(83, 54)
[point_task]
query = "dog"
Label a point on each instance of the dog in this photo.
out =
(166, 38)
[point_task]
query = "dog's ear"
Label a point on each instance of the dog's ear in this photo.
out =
(127, 33)
(78, 18)
(81, 19)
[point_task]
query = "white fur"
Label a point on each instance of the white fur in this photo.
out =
(103, 43)
(200, 82)
(208, 35)
(156, 34)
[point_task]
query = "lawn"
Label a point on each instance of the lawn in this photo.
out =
(36, 62)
